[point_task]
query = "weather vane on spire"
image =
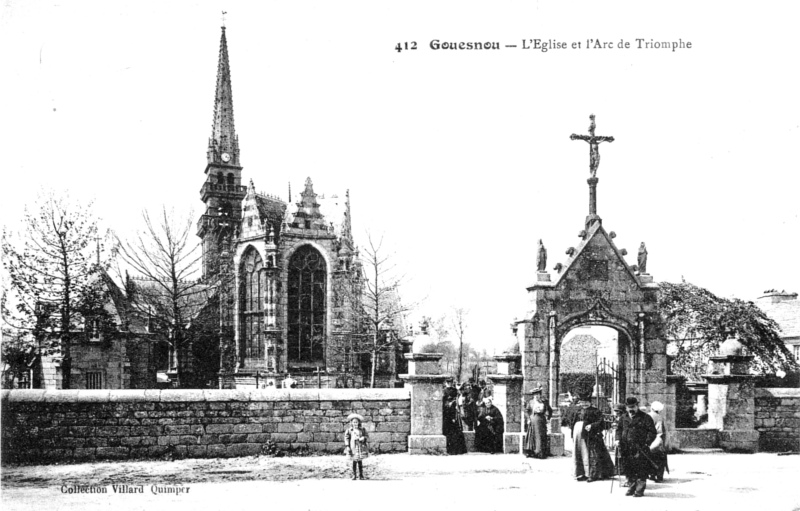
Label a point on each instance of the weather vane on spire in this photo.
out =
(594, 142)
(223, 18)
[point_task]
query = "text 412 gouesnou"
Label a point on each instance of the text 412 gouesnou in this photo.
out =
(545, 45)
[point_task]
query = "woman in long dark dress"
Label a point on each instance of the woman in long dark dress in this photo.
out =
(490, 428)
(599, 464)
(535, 444)
(451, 423)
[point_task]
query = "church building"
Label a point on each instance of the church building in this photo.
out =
(287, 274)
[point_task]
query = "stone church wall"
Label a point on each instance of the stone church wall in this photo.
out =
(778, 419)
(73, 425)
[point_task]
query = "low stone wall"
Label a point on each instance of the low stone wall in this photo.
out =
(63, 425)
(778, 419)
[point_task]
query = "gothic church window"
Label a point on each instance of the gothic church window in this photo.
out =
(306, 306)
(252, 304)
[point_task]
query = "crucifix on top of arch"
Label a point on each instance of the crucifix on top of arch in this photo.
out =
(593, 141)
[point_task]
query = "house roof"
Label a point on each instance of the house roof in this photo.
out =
(784, 309)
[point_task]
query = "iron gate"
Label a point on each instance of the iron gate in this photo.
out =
(607, 392)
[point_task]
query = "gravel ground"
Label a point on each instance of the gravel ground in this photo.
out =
(476, 481)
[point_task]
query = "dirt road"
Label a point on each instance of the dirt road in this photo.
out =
(402, 482)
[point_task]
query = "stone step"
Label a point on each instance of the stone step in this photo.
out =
(700, 450)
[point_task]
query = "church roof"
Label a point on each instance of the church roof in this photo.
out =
(270, 208)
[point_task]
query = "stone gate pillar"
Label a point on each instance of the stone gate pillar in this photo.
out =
(731, 399)
(507, 397)
(426, 403)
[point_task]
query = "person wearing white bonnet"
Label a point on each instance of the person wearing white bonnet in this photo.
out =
(659, 446)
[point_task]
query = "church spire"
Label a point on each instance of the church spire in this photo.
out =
(223, 146)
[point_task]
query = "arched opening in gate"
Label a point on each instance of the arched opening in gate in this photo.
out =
(593, 361)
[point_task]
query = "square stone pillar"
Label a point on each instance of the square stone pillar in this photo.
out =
(426, 403)
(507, 397)
(731, 404)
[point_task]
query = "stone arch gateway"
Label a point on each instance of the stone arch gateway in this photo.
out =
(596, 287)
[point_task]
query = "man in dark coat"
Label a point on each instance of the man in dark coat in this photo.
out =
(635, 432)
(451, 423)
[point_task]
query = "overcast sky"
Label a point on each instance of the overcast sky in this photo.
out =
(462, 159)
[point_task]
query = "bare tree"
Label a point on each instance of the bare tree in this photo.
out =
(52, 266)
(165, 255)
(458, 322)
(381, 307)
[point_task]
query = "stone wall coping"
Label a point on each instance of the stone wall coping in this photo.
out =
(732, 358)
(26, 396)
(424, 378)
(423, 357)
(722, 379)
(200, 395)
(505, 377)
(541, 285)
(128, 396)
(508, 357)
(778, 392)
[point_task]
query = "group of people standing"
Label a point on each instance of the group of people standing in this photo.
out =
(470, 408)
(640, 440)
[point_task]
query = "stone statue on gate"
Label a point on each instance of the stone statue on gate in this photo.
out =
(642, 258)
(541, 257)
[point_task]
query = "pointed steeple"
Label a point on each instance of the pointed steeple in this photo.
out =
(223, 190)
(223, 146)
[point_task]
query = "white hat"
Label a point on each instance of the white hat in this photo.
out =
(355, 416)
(656, 406)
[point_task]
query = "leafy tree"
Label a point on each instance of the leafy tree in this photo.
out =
(53, 268)
(165, 254)
(696, 322)
(17, 357)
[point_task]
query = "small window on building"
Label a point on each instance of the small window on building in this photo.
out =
(94, 380)
(230, 179)
(93, 329)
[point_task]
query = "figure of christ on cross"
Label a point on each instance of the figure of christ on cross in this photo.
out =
(594, 142)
